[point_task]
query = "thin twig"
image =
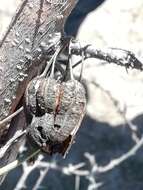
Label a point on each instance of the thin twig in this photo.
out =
(111, 55)
(116, 162)
(7, 119)
(122, 113)
(27, 169)
(43, 173)
(16, 136)
(93, 184)
(77, 182)
(17, 162)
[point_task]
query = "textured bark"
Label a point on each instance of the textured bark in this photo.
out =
(34, 23)
(21, 56)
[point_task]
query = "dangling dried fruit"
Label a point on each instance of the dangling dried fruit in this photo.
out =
(47, 94)
(64, 107)
(57, 108)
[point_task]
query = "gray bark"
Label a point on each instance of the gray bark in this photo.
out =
(33, 25)
(21, 58)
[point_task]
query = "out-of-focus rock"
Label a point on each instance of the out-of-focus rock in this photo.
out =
(114, 24)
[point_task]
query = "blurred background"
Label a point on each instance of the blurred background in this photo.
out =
(113, 122)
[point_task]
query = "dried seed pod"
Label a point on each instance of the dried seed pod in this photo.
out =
(64, 104)
(57, 108)
(47, 94)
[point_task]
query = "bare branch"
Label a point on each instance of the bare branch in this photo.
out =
(26, 171)
(77, 182)
(45, 167)
(9, 143)
(43, 173)
(9, 118)
(18, 162)
(111, 55)
(122, 112)
(116, 162)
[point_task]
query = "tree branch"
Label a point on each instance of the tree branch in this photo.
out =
(111, 55)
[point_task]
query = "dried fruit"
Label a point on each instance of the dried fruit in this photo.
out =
(54, 109)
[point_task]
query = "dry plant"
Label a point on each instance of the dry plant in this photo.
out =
(15, 122)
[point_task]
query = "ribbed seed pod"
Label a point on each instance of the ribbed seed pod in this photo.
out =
(47, 94)
(64, 107)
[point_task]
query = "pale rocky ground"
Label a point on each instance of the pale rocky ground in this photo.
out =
(117, 23)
